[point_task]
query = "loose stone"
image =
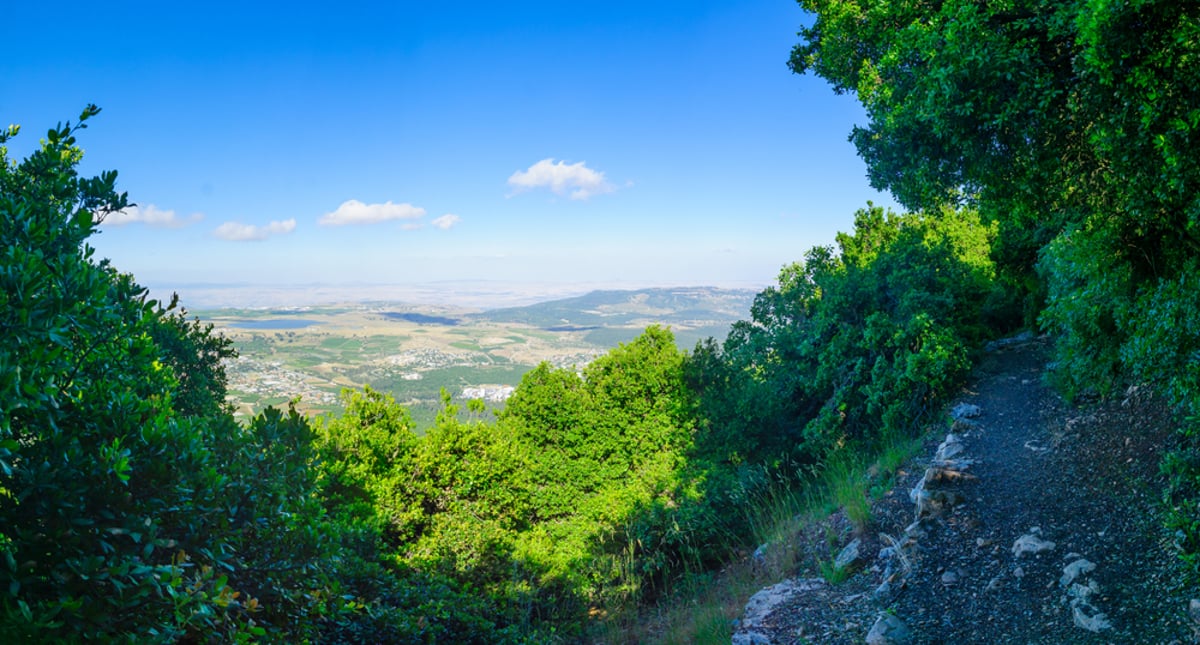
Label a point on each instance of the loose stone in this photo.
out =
(849, 555)
(964, 411)
(889, 630)
(1031, 543)
(1074, 570)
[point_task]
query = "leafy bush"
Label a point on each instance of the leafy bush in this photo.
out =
(132, 506)
(850, 343)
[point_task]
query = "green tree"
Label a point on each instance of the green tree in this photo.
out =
(1056, 119)
(194, 354)
(132, 506)
(854, 341)
(367, 456)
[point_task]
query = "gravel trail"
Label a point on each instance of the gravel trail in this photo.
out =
(1049, 533)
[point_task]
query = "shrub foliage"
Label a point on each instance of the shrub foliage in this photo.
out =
(1073, 127)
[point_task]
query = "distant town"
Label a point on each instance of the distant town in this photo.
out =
(414, 352)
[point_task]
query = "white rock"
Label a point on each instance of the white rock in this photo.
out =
(914, 495)
(1031, 544)
(1074, 570)
(750, 638)
(889, 630)
(1087, 617)
(848, 556)
(964, 411)
(883, 592)
(765, 601)
(1080, 592)
(949, 448)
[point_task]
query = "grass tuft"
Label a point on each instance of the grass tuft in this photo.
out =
(706, 603)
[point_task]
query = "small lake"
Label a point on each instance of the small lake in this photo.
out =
(420, 319)
(275, 323)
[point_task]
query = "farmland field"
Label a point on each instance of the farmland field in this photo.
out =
(414, 352)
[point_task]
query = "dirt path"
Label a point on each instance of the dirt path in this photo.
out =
(1051, 535)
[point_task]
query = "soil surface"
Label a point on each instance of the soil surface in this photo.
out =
(1040, 471)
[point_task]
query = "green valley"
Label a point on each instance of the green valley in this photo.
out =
(415, 351)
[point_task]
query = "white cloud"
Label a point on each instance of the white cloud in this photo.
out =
(356, 212)
(575, 180)
(238, 232)
(151, 215)
(445, 221)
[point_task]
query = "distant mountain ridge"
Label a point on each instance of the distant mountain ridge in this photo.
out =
(689, 307)
(473, 295)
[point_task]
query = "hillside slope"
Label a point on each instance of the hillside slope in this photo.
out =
(1080, 484)
(609, 307)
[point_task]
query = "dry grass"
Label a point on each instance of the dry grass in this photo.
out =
(706, 604)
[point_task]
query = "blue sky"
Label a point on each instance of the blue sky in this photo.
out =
(581, 142)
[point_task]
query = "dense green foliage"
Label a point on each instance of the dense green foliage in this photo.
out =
(132, 506)
(124, 514)
(1044, 147)
(853, 342)
(1073, 126)
(537, 509)
(596, 489)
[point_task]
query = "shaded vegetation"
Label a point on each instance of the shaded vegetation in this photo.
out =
(1071, 126)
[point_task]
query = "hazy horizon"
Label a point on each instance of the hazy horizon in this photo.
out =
(458, 294)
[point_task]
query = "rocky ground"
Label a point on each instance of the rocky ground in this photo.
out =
(1028, 521)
